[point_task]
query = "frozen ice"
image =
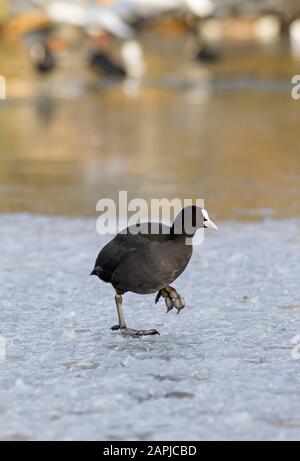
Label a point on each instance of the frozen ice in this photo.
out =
(222, 369)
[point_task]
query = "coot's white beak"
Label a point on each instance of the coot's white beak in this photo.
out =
(210, 225)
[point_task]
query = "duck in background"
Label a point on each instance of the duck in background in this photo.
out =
(100, 59)
(34, 29)
(40, 25)
(98, 22)
(156, 13)
(40, 53)
(202, 11)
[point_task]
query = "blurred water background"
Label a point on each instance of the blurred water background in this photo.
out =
(226, 130)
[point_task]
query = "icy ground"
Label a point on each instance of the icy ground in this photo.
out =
(225, 368)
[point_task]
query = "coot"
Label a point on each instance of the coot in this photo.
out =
(147, 257)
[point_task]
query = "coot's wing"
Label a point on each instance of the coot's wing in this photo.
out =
(150, 267)
(124, 243)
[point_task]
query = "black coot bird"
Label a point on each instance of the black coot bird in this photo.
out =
(147, 257)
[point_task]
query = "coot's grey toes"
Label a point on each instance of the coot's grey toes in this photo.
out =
(130, 332)
(115, 327)
(179, 303)
(173, 294)
(138, 333)
(149, 332)
(162, 293)
(157, 297)
(169, 303)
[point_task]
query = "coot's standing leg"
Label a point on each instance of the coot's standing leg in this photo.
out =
(122, 324)
(172, 298)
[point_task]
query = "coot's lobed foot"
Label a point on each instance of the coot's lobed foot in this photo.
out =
(172, 299)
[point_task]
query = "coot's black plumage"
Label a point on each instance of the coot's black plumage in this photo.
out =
(147, 257)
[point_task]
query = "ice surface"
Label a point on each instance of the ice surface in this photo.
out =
(222, 369)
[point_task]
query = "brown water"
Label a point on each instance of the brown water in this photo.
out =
(228, 134)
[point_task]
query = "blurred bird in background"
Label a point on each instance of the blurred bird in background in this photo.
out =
(111, 31)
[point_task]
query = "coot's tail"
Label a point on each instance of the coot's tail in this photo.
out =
(100, 273)
(96, 271)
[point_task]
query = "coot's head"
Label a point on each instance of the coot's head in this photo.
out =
(190, 219)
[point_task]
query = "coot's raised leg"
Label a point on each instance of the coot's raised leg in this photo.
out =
(172, 298)
(122, 324)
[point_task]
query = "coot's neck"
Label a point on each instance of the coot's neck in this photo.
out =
(181, 236)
